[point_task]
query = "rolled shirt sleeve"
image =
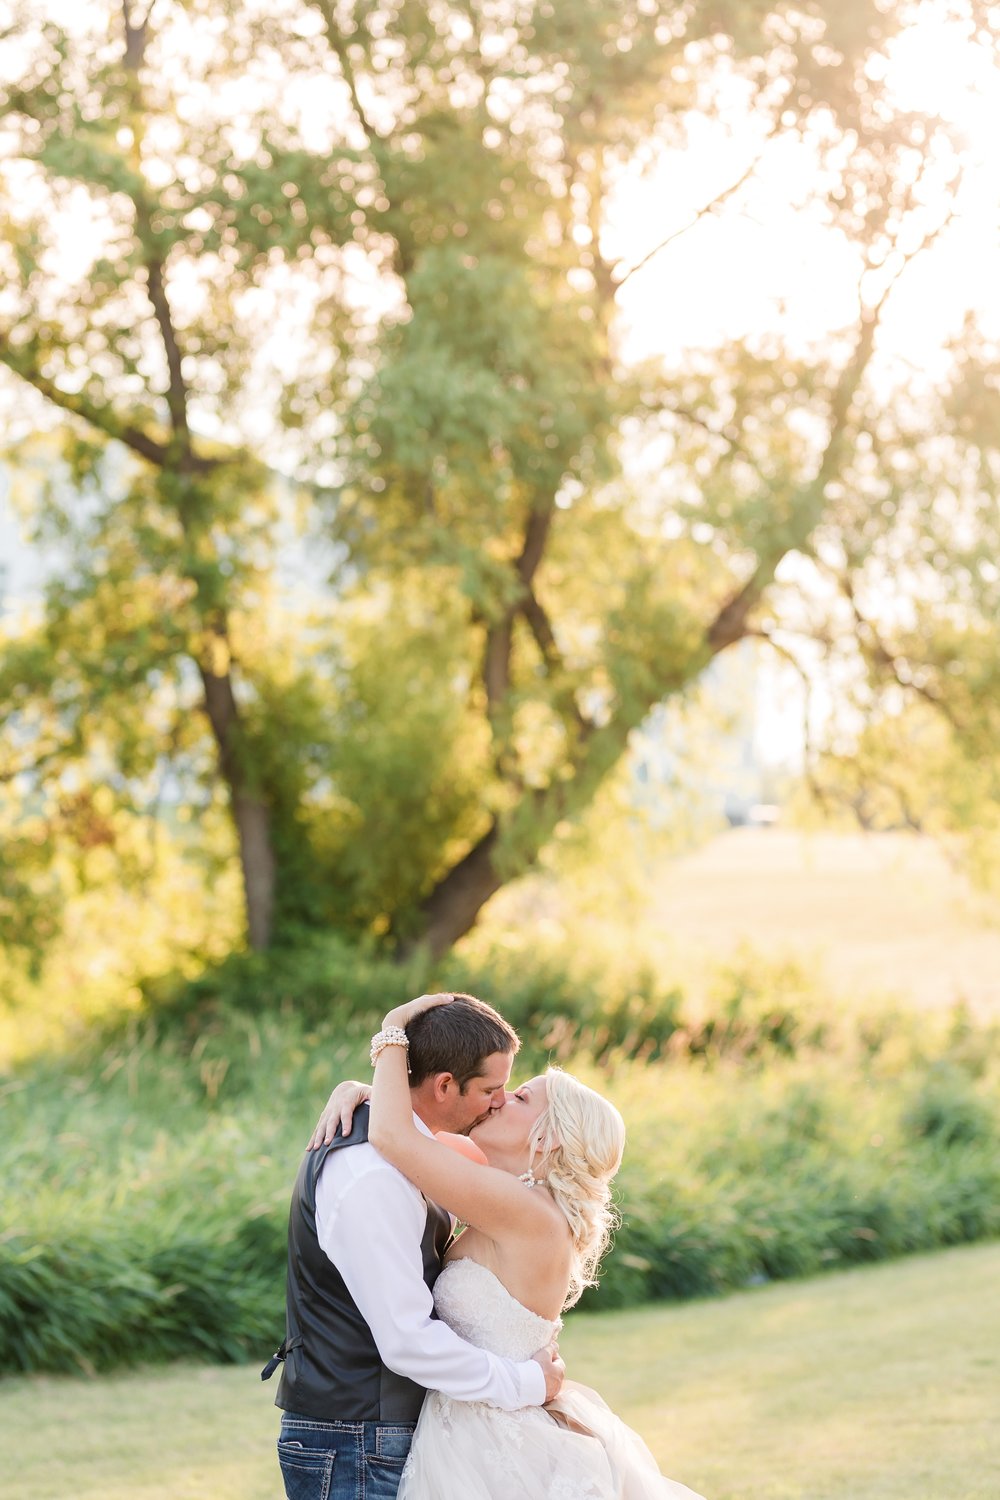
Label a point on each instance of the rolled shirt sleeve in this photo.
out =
(370, 1226)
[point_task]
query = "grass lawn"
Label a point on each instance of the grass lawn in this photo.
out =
(881, 1383)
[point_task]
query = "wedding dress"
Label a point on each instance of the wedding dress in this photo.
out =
(573, 1449)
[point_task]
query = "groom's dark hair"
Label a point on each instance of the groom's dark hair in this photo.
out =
(457, 1039)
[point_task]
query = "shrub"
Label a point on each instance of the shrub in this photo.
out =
(946, 1108)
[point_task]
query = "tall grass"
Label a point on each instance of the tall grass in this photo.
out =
(146, 1175)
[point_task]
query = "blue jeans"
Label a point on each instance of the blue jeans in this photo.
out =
(342, 1460)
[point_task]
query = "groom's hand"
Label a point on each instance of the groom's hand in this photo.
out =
(552, 1368)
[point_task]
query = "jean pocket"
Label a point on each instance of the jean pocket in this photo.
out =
(392, 1444)
(383, 1476)
(307, 1472)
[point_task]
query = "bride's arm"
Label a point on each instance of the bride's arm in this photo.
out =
(495, 1202)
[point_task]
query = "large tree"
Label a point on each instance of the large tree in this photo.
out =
(343, 266)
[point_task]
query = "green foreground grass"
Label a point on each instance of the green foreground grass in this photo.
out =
(879, 1383)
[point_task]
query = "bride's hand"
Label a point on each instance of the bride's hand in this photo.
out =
(404, 1014)
(339, 1110)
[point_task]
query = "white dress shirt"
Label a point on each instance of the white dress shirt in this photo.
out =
(370, 1221)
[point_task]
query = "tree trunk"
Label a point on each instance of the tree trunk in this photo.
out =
(251, 814)
(253, 828)
(453, 906)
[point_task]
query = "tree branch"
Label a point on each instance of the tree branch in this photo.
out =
(532, 611)
(500, 635)
(500, 642)
(536, 534)
(540, 626)
(730, 624)
(906, 258)
(177, 394)
(340, 50)
(38, 763)
(136, 37)
(104, 418)
(897, 666)
(762, 634)
(496, 664)
(728, 435)
(702, 213)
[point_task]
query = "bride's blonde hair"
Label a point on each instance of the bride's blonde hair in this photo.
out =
(578, 1142)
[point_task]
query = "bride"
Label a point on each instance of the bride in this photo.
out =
(536, 1202)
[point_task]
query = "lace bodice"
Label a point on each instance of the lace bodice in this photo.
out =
(470, 1299)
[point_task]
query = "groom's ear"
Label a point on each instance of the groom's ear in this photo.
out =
(445, 1086)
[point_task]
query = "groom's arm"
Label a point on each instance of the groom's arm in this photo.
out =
(371, 1229)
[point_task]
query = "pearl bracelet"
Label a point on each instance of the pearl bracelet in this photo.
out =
(389, 1036)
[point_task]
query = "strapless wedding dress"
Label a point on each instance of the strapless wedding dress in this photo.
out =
(573, 1449)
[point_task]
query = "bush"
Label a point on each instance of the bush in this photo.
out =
(561, 1004)
(96, 1301)
(946, 1109)
(316, 978)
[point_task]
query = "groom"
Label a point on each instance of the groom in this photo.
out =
(362, 1342)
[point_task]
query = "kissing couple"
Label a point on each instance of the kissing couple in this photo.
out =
(421, 1364)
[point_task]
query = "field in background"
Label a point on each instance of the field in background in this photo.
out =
(882, 913)
(878, 915)
(880, 1383)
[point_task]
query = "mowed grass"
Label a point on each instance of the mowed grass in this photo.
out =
(881, 1383)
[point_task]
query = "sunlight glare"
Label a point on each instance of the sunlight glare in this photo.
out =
(935, 67)
(767, 259)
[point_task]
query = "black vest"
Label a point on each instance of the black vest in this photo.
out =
(332, 1369)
